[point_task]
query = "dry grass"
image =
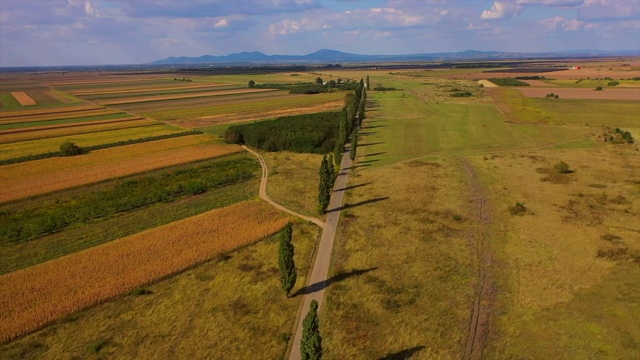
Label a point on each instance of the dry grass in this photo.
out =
(13, 137)
(23, 98)
(403, 248)
(38, 295)
(293, 180)
(43, 176)
(566, 264)
(578, 93)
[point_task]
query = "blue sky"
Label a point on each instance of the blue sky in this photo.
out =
(77, 32)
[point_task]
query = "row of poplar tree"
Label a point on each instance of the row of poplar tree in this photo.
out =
(354, 106)
(351, 120)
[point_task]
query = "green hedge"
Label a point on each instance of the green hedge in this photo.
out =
(508, 82)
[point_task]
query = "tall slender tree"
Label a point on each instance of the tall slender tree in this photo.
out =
(324, 189)
(287, 266)
(337, 153)
(332, 171)
(368, 83)
(311, 343)
(354, 144)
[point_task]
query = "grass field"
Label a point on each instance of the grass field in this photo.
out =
(203, 312)
(43, 176)
(73, 282)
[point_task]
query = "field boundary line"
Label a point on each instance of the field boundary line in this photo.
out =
(265, 197)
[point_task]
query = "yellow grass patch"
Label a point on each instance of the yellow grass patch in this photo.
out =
(23, 98)
(43, 176)
(182, 96)
(36, 296)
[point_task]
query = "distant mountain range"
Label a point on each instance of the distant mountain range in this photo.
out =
(332, 56)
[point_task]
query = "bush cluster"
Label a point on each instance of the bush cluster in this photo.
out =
(508, 82)
(620, 136)
(309, 133)
(552, 96)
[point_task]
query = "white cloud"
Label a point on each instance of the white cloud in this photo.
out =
(603, 10)
(501, 10)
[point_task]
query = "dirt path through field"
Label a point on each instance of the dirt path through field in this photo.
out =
(485, 288)
(265, 197)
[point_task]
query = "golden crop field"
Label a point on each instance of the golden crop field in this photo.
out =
(33, 297)
(23, 98)
(39, 146)
(43, 176)
(44, 126)
(51, 132)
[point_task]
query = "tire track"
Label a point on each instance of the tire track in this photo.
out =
(485, 288)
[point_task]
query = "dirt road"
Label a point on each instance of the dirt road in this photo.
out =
(265, 197)
(485, 288)
(318, 279)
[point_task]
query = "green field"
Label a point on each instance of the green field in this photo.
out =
(409, 127)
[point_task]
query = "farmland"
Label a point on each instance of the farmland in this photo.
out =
(457, 232)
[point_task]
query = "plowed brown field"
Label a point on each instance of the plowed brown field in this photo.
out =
(23, 98)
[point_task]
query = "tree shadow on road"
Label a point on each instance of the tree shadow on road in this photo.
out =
(352, 187)
(341, 276)
(365, 202)
(403, 354)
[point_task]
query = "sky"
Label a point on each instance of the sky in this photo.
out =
(97, 32)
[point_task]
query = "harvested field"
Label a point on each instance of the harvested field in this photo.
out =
(181, 96)
(52, 131)
(30, 127)
(36, 296)
(231, 118)
(279, 102)
(41, 112)
(129, 89)
(43, 176)
(57, 116)
(487, 83)
(23, 98)
(581, 93)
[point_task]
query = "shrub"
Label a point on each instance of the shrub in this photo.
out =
(508, 82)
(251, 83)
(613, 83)
(562, 168)
(518, 209)
(141, 292)
(70, 149)
(599, 88)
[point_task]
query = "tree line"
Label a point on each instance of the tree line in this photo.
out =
(308, 133)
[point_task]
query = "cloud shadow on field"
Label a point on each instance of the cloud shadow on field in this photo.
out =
(341, 276)
(403, 354)
(361, 203)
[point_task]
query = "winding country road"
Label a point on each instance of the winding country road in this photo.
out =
(317, 282)
(265, 197)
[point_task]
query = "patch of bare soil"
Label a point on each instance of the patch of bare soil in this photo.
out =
(485, 291)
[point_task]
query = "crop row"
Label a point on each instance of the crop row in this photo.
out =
(27, 223)
(7, 137)
(90, 148)
(250, 106)
(182, 96)
(67, 108)
(57, 116)
(36, 296)
(22, 125)
(47, 175)
(119, 94)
